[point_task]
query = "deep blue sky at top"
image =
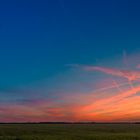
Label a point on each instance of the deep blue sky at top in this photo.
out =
(37, 38)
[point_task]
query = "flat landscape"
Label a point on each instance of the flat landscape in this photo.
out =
(69, 131)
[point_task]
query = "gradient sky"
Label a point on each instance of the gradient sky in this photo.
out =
(69, 60)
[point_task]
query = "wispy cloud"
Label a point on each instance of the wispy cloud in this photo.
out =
(75, 107)
(109, 99)
(128, 74)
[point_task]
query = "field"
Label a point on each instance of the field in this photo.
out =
(69, 131)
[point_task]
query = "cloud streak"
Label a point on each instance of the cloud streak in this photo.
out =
(128, 74)
(113, 108)
(109, 99)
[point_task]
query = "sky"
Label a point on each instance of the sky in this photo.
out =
(69, 60)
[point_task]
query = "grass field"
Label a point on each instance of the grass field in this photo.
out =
(69, 131)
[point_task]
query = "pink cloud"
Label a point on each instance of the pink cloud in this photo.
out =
(105, 108)
(128, 74)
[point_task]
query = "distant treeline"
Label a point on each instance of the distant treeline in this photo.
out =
(69, 122)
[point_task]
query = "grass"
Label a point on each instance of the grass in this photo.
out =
(69, 131)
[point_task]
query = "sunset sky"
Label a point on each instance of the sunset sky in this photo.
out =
(69, 60)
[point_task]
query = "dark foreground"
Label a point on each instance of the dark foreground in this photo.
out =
(69, 131)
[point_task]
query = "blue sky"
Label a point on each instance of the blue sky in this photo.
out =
(39, 38)
(42, 36)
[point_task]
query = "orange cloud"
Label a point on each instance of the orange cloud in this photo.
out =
(121, 106)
